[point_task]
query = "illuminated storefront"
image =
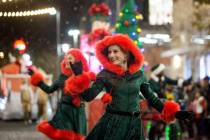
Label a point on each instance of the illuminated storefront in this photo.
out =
(160, 12)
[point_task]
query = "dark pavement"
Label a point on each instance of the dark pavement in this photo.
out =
(17, 130)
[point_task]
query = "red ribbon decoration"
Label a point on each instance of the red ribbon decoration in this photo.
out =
(102, 9)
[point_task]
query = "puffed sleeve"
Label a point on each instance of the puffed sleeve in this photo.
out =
(55, 85)
(168, 109)
(150, 96)
(90, 93)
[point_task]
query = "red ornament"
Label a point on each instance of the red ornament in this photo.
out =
(126, 23)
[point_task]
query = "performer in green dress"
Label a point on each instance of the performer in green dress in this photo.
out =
(69, 121)
(123, 80)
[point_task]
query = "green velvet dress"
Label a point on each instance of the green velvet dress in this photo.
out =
(125, 98)
(69, 121)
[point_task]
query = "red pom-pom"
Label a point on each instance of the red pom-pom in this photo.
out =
(76, 84)
(36, 78)
(107, 98)
(92, 76)
(169, 110)
(76, 101)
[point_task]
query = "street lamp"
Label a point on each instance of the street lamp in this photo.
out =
(58, 33)
(74, 33)
(56, 12)
(65, 47)
(58, 40)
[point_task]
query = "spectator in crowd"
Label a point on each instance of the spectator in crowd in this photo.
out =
(205, 91)
(199, 108)
(42, 104)
(26, 98)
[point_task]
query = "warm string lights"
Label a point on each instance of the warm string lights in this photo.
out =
(4, 1)
(51, 11)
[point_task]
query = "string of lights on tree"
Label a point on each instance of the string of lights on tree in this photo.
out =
(128, 22)
(50, 10)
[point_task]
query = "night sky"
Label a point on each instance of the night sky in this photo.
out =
(39, 32)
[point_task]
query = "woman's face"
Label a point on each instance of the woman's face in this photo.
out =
(116, 55)
(69, 59)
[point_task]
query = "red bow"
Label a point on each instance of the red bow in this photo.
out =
(102, 9)
(97, 35)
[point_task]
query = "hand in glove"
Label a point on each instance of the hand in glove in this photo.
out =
(186, 116)
(77, 68)
(36, 76)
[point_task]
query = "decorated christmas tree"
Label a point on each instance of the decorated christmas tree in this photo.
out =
(128, 22)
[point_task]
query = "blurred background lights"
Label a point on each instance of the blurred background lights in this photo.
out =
(65, 47)
(1, 55)
(50, 11)
(73, 32)
(27, 59)
(177, 61)
(26, 56)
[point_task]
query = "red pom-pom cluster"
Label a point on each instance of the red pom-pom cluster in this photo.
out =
(77, 84)
(106, 98)
(169, 110)
(36, 78)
